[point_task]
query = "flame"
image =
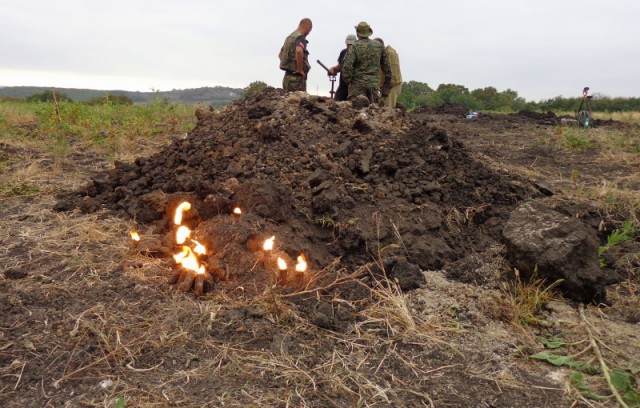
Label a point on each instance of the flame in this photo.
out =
(282, 264)
(201, 270)
(134, 235)
(180, 256)
(181, 234)
(190, 261)
(184, 206)
(301, 266)
(199, 248)
(268, 244)
(237, 211)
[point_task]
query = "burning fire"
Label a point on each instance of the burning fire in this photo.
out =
(179, 256)
(282, 264)
(184, 206)
(301, 266)
(189, 260)
(268, 243)
(199, 248)
(134, 235)
(237, 211)
(182, 234)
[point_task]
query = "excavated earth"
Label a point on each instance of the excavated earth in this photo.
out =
(345, 186)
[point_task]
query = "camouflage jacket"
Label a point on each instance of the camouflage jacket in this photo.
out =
(287, 53)
(363, 63)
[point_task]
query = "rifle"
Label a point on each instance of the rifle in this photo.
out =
(332, 78)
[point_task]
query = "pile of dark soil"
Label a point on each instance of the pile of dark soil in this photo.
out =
(446, 109)
(326, 179)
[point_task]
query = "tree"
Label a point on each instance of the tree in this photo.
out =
(253, 88)
(109, 99)
(47, 96)
(414, 94)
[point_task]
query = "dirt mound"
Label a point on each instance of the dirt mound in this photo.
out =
(326, 179)
(446, 109)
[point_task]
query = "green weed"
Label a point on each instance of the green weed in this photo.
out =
(617, 236)
(576, 140)
(18, 189)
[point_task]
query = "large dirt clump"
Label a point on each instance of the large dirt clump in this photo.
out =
(332, 181)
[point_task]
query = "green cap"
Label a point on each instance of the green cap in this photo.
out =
(363, 29)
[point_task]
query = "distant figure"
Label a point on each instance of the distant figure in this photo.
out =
(362, 66)
(396, 76)
(343, 90)
(294, 58)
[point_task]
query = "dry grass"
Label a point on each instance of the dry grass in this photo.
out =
(89, 309)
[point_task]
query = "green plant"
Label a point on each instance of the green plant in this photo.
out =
(253, 89)
(620, 382)
(616, 237)
(576, 140)
(19, 189)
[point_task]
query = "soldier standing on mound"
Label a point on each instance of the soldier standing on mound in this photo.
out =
(362, 65)
(294, 58)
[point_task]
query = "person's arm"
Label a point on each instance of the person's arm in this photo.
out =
(300, 61)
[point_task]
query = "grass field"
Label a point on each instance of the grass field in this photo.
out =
(88, 321)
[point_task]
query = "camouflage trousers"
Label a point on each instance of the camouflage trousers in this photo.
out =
(373, 94)
(293, 83)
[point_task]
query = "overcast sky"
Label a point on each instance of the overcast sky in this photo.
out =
(541, 49)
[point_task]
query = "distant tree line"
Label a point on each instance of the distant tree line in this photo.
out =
(416, 94)
(217, 96)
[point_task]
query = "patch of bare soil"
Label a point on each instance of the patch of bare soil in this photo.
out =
(405, 303)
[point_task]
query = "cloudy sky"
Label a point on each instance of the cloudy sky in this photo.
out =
(541, 49)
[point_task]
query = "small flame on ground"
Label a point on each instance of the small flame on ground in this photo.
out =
(201, 270)
(199, 248)
(180, 256)
(184, 206)
(190, 261)
(134, 235)
(237, 211)
(282, 264)
(181, 234)
(301, 266)
(268, 244)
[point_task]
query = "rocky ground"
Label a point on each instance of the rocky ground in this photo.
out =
(411, 297)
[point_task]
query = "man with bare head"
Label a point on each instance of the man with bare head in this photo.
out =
(294, 58)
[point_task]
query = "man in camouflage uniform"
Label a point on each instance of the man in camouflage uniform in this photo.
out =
(294, 58)
(396, 76)
(362, 65)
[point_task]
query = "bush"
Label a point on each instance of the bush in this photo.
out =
(253, 88)
(48, 96)
(109, 99)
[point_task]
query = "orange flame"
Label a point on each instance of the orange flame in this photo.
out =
(134, 235)
(237, 211)
(201, 270)
(180, 256)
(268, 244)
(190, 261)
(184, 206)
(282, 264)
(199, 248)
(301, 266)
(181, 234)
